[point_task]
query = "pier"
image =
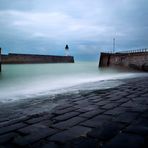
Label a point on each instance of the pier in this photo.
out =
(15, 58)
(135, 59)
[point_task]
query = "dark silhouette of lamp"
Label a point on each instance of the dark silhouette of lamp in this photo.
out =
(67, 50)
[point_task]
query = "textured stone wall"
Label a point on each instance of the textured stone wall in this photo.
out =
(137, 60)
(31, 58)
(104, 60)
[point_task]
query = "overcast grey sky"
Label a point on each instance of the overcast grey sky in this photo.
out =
(88, 26)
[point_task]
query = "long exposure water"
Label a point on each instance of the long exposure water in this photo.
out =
(31, 80)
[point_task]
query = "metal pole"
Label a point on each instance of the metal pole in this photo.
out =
(113, 45)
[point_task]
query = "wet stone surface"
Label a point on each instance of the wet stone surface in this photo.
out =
(112, 118)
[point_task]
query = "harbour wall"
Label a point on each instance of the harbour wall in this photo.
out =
(134, 60)
(13, 58)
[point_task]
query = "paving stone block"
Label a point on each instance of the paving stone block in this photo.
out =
(82, 102)
(91, 113)
(78, 98)
(103, 102)
(51, 145)
(96, 100)
(122, 100)
(141, 100)
(63, 106)
(116, 111)
(38, 119)
(84, 143)
(141, 122)
(132, 95)
(106, 131)
(87, 109)
(36, 128)
(137, 129)
(11, 128)
(114, 98)
(126, 117)
(110, 105)
(145, 114)
(63, 111)
(95, 97)
(70, 134)
(7, 137)
(135, 107)
(138, 109)
(68, 123)
(90, 95)
(145, 94)
(45, 122)
(129, 104)
(43, 144)
(66, 116)
(125, 141)
(33, 134)
(102, 117)
(14, 121)
(96, 121)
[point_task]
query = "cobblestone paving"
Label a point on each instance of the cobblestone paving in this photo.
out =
(113, 118)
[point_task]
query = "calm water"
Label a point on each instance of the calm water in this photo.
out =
(31, 80)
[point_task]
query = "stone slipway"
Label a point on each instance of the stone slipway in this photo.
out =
(112, 118)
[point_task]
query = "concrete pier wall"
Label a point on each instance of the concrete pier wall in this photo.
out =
(32, 58)
(137, 60)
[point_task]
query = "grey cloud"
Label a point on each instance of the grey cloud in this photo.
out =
(33, 25)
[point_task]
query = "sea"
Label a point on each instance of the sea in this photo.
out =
(25, 81)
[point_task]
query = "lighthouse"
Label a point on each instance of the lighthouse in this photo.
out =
(66, 50)
(0, 60)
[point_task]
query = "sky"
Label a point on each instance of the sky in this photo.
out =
(87, 26)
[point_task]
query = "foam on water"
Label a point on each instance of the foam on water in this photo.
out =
(29, 81)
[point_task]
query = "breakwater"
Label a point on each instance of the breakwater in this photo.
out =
(13, 58)
(136, 60)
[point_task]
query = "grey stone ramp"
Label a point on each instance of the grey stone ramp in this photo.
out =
(112, 118)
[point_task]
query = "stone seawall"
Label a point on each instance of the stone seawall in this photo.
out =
(32, 58)
(138, 60)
